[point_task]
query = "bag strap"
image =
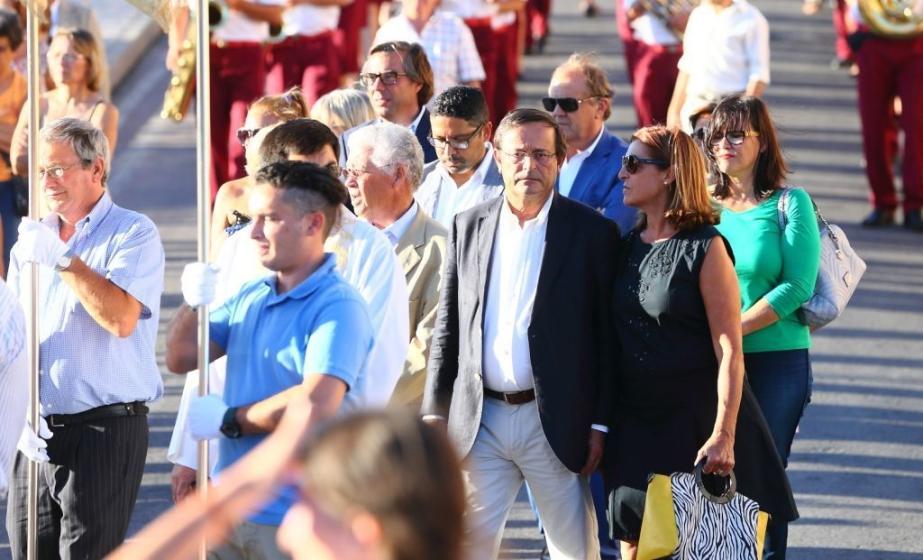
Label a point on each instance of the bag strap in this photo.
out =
(730, 488)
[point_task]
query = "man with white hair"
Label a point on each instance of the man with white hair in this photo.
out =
(385, 168)
(100, 272)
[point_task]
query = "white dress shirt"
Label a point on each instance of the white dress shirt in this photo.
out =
(307, 20)
(571, 167)
(650, 29)
(396, 230)
(467, 9)
(235, 26)
(367, 261)
(452, 198)
(516, 261)
(724, 50)
(448, 43)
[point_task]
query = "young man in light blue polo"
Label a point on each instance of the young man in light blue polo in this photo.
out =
(301, 335)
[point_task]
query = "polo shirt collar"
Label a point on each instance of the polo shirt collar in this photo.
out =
(88, 224)
(307, 287)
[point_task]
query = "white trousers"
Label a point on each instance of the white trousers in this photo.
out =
(511, 447)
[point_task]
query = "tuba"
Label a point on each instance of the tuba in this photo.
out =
(893, 18)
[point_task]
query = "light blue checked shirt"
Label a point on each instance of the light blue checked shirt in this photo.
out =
(82, 365)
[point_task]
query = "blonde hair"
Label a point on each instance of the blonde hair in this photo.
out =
(343, 108)
(689, 204)
(87, 47)
(284, 107)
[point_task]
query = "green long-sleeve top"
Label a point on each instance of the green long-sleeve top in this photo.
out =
(779, 266)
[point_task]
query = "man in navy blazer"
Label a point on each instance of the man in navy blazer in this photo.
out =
(580, 100)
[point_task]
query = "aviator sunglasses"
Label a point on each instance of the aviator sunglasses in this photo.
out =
(632, 163)
(568, 104)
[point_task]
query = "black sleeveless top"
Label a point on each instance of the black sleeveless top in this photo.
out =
(667, 383)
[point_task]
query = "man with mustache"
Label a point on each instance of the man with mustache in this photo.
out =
(466, 173)
(520, 360)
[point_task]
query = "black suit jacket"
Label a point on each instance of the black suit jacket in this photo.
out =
(570, 336)
(423, 131)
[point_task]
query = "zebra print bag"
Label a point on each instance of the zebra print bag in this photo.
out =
(683, 520)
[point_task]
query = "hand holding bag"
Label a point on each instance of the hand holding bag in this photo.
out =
(683, 520)
(839, 273)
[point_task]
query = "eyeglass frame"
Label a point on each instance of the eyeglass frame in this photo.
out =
(540, 157)
(373, 77)
(715, 141)
(632, 168)
(56, 171)
(556, 102)
(347, 172)
(245, 135)
(463, 144)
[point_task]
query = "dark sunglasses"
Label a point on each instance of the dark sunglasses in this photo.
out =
(700, 133)
(568, 104)
(632, 163)
(734, 137)
(244, 135)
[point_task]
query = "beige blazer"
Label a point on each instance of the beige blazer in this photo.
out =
(420, 251)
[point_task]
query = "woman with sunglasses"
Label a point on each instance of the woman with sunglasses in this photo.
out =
(776, 268)
(681, 396)
(231, 211)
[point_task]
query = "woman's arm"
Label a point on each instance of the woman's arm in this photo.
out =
(721, 294)
(19, 144)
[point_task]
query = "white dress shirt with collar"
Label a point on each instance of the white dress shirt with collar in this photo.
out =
(650, 29)
(396, 230)
(453, 198)
(571, 167)
(516, 261)
(724, 50)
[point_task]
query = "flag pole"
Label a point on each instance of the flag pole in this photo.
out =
(33, 75)
(203, 206)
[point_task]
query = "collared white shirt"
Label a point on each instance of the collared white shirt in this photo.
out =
(235, 26)
(448, 43)
(399, 227)
(650, 29)
(367, 261)
(516, 261)
(453, 199)
(306, 19)
(724, 50)
(416, 122)
(571, 167)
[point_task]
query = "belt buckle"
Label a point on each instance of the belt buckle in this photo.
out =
(506, 398)
(52, 421)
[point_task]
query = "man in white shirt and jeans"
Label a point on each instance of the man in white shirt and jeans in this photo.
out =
(725, 51)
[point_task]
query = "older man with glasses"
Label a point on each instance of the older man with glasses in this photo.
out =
(580, 100)
(399, 81)
(466, 173)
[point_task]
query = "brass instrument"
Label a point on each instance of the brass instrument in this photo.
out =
(893, 18)
(666, 10)
(182, 84)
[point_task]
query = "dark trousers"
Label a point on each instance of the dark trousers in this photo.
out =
(10, 220)
(309, 62)
(781, 382)
(237, 79)
(889, 68)
(86, 493)
(655, 74)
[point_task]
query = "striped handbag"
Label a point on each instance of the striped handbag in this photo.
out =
(684, 520)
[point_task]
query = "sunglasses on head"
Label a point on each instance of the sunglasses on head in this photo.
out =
(244, 135)
(734, 137)
(567, 104)
(632, 163)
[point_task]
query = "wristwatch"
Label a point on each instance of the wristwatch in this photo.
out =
(229, 425)
(65, 261)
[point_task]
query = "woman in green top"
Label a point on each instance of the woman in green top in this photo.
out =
(776, 268)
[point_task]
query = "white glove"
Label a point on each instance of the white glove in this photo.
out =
(38, 244)
(199, 282)
(205, 417)
(33, 445)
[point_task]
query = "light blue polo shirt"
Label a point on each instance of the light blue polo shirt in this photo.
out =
(321, 326)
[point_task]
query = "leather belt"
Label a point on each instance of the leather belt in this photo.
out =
(117, 410)
(519, 397)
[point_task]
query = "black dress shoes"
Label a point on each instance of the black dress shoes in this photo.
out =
(913, 221)
(879, 217)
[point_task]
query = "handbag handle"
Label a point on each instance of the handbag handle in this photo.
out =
(730, 487)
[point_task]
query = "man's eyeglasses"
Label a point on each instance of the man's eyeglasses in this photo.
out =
(388, 78)
(457, 143)
(568, 104)
(631, 163)
(352, 173)
(734, 137)
(56, 171)
(244, 135)
(540, 157)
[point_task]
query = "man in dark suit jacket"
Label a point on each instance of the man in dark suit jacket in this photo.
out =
(399, 81)
(580, 100)
(521, 355)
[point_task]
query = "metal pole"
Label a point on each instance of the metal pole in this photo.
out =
(33, 76)
(203, 202)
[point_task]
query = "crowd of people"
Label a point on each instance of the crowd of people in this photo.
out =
(572, 311)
